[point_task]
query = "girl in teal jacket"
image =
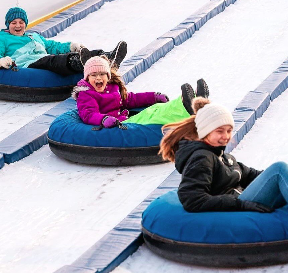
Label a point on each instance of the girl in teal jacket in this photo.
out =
(31, 50)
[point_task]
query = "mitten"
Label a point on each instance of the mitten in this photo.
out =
(109, 122)
(125, 112)
(75, 47)
(161, 97)
(6, 62)
(254, 206)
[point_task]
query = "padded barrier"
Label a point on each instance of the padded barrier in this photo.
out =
(256, 102)
(33, 135)
(1, 161)
(122, 241)
(33, 138)
(58, 23)
(146, 57)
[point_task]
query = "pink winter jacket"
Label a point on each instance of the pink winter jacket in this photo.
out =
(94, 106)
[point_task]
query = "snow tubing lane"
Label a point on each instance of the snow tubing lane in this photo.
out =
(215, 239)
(35, 85)
(71, 139)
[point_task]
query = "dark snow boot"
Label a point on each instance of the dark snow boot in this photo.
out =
(202, 89)
(188, 95)
(117, 55)
(85, 54)
(74, 62)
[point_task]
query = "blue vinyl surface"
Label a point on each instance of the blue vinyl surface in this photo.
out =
(35, 78)
(167, 218)
(68, 128)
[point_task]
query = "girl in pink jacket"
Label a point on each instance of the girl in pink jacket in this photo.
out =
(102, 98)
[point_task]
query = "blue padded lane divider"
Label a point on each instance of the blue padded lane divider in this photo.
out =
(58, 23)
(30, 138)
(122, 241)
(33, 135)
(147, 56)
(1, 161)
(256, 102)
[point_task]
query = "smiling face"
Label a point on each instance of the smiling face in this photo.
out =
(17, 27)
(220, 136)
(98, 81)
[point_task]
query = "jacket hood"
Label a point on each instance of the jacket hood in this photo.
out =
(187, 148)
(82, 85)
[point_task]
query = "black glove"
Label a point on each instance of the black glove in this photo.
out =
(253, 206)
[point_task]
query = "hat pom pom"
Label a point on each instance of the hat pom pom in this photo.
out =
(198, 103)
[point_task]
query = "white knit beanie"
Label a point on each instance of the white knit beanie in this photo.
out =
(210, 117)
(96, 64)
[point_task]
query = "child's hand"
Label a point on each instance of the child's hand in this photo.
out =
(161, 97)
(75, 47)
(6, 62)
(109, 122)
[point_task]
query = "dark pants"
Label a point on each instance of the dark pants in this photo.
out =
(61, 64)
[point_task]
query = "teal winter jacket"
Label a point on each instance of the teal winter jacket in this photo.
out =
(29, 48)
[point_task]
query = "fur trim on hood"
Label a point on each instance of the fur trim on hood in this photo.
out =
(78, 89)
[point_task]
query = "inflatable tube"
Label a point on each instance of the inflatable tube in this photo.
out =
(35, 85)
(71, 139)
(215, 239)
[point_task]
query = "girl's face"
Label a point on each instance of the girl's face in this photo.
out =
(17, 27)
(220, 136)
(98, 81)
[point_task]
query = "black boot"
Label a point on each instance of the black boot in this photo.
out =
(85, 55)
(117, 55)
(74, 62)
(188, 95)
(202, 89)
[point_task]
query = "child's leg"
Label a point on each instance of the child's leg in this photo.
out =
(270, 188)
(161, 113)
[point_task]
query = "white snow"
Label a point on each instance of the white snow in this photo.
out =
(52, 210)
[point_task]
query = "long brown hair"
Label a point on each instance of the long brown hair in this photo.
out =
(174, 132)
(116, 79)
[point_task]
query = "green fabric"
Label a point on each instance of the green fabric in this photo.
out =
(161, 113)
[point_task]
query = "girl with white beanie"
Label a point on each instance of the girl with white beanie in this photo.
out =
(211, 179)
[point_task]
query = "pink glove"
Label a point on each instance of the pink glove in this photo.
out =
(161, 97)
(125, 112)
(109, 122)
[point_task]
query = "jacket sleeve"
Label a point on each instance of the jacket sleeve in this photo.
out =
(139, 100)
(53, 47)
(88, 109)
(2, 46)
(194, 191)
(248, 175)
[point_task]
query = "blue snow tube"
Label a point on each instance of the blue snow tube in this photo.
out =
(215, 239)
(35, 85)
(70, 138)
